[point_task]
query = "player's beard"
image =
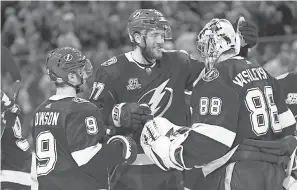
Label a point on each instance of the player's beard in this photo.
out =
(151, 53)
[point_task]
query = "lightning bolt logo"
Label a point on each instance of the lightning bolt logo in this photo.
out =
(157, 97)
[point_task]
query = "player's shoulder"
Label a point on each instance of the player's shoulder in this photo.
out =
(180, 58)
(67, 104)
(291, 76)
(82, 105)
(113, 66)
(177, 54)
(237, 64)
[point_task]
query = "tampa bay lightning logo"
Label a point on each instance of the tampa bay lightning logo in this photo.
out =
(159, 99)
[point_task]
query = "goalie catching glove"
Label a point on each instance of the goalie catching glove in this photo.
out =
(131, 115)
(129, 147)
(162, 141)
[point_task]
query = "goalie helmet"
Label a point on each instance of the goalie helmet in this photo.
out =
(217, 37)
(142, 20)
(62, 61)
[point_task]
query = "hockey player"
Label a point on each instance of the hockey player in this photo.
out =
(68, 131)
(146, 82)
(240, 121)
(288, 83)
(16, 156)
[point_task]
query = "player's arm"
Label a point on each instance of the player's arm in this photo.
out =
(115, 113)
(285, 116)
(191, 70)
(207, 140)
(85, 131)
(10, 66)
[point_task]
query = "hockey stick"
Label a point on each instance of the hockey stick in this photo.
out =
(112, 179)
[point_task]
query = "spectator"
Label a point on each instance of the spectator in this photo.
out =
(68, 36)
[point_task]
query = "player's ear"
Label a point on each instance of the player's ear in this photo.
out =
(72, 78)
(137, 37)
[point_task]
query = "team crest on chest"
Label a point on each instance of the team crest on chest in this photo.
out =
(133, 84)
(159, 99)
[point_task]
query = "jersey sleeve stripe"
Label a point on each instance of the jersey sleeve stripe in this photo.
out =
(282, 76)
(286, 119)
(83, 156)
(216, 133)
(17, 177)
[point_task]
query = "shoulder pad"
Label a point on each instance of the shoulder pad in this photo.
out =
(111, 61)
(79, 100)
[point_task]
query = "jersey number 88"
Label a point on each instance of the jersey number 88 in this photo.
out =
(263, 111)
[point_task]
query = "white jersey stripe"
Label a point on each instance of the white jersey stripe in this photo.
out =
(83, 156)
(216, 133)
(17, 177)
(286, 119)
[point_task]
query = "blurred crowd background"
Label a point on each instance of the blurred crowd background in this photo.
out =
(31, 28)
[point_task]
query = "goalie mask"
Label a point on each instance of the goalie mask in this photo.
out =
(63, 61)
(217, 40)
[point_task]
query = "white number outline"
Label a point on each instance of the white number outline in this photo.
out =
(218, 106)
(267, 109)
(93, 128)
(204, 105)
(51, 143)
(209, 106)
(99, 87)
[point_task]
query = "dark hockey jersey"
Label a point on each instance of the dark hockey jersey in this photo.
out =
(16, 156)
(236, 101)
(288, 84)
(161, 86)
(68, 134)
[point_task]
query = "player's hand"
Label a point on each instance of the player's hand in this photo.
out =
(248, 32)
(129, 147)
(131, 115)
(16, 109)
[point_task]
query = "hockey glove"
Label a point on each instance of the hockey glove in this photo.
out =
(248, 32)
(131, 115)
(9, 111)
(157, 144)
(129, 147)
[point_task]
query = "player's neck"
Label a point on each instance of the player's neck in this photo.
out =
(138, 57)
(66, 91)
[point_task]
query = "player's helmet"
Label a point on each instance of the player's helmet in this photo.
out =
(62, 61)
(217, 37)
(142, 20)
